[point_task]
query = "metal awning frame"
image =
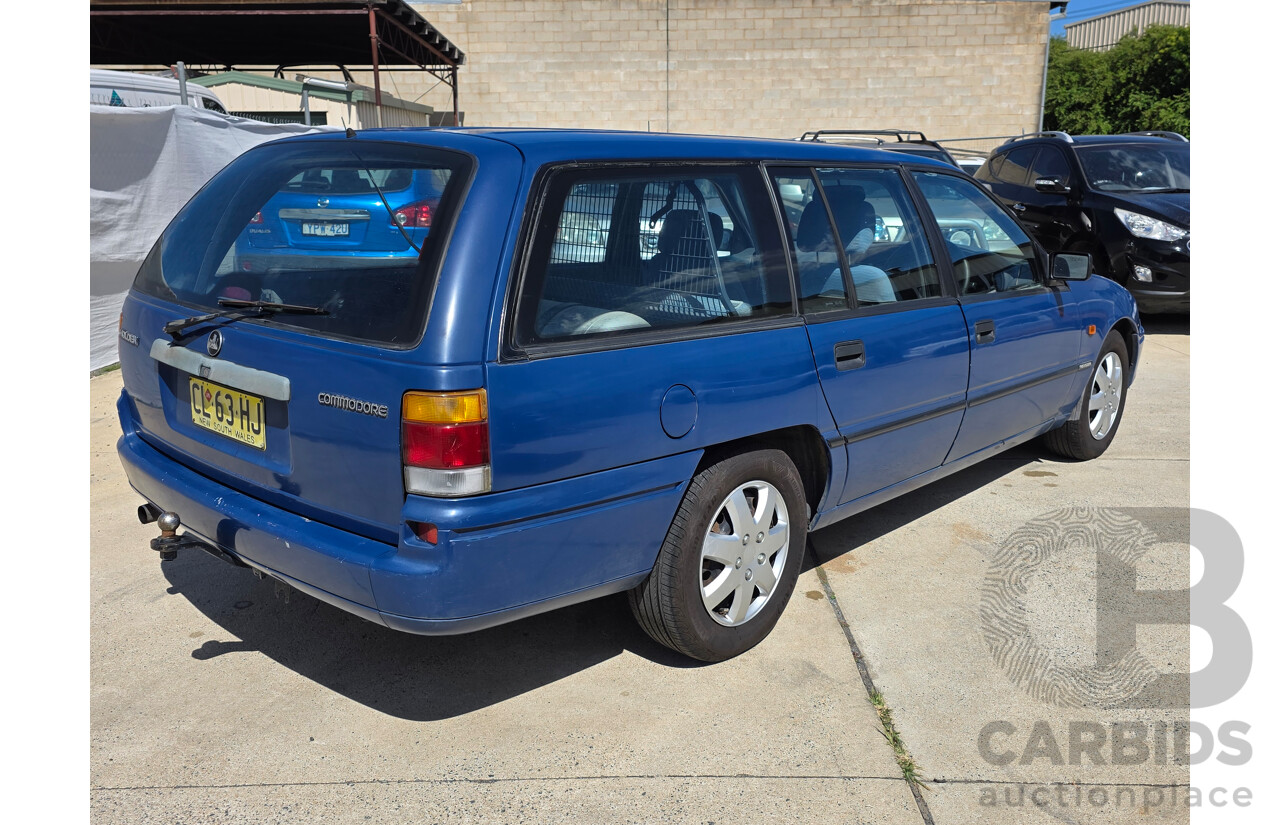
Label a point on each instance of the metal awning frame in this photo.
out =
(387, 29)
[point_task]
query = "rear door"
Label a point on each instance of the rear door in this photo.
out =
(1006, 175)
(1024, 334)
(301, 407)
(653, 317)
(889, 340)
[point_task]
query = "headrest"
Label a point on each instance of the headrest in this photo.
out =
(687, 225)
(813, 225)
(852, 212)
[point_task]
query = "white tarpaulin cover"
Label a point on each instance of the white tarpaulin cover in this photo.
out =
(145, 164)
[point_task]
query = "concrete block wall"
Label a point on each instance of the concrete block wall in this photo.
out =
(772, 68)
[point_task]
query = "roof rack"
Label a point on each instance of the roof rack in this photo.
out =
(902, 135)
(1165, 135)
(1058, 135)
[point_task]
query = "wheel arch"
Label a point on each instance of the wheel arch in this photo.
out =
(1129, 332)
(803, 444)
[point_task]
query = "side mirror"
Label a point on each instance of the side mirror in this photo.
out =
(1071, 266)
(1052, 186)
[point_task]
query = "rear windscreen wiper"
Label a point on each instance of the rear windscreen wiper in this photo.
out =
(238, 308)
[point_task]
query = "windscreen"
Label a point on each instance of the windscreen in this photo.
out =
(1163, 167)
(353, 229)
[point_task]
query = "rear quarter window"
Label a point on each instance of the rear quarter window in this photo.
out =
(1013, 169)
(619, 252)
(354, 232)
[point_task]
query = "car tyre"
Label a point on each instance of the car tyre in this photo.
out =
(730, 560)
(1096, 418)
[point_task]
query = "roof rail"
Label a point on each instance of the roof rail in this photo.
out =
(1165, 135)
(1058, 135)
(902, 135)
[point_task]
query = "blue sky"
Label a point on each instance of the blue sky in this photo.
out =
(1079, 10)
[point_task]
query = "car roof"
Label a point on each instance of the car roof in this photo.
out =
(541, 146)
(1092, 140)
(1096, 139)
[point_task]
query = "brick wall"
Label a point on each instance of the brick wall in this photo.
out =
(774, 68)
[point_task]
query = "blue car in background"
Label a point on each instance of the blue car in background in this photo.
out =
(325, 215)
(612, 362)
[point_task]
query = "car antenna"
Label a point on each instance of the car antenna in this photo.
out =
(351, 133)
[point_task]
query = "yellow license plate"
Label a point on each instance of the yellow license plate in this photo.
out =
(229, 412)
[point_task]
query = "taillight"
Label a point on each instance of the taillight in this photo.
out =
(416, 214)
(257, 218)
(444, 443)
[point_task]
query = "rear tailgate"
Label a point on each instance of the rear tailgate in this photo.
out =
(301, 411)
(326, 419)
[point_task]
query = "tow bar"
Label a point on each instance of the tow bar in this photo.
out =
(168, 543)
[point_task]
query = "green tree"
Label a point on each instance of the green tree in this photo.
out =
(1076, 90)
(1143, 82)
(1151, 81)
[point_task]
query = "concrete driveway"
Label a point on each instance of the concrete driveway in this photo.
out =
(216, 699)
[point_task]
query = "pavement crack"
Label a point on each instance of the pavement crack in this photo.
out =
(889, 730)
(471, 780)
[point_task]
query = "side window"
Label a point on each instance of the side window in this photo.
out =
(881, 235)
(989, 251)
(813, 246)
(583, 229)
(877, 243)
(619, 251)
(991, 170)
(1015, 166)
(1051, 163)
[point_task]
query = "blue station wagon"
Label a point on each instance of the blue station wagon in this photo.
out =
(616, 362)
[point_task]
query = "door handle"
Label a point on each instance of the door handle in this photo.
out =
(1019, 207)
(850, 355)
(985, 331)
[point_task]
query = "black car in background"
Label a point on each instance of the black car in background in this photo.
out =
(1126, 199)
(894, 140)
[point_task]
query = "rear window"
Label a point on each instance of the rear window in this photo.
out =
(354, 230)
(319, 181)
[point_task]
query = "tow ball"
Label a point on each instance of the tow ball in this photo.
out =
(168, 543)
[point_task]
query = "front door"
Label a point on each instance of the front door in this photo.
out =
(1025, 338)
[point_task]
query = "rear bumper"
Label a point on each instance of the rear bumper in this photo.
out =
(499, 557)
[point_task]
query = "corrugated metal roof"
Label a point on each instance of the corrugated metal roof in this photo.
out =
(259, 33)
(1103, 31)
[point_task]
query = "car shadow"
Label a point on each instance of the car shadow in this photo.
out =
(417, 678)
(863, 528)
(422, 678)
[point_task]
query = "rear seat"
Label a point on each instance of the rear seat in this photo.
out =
(557, 319)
